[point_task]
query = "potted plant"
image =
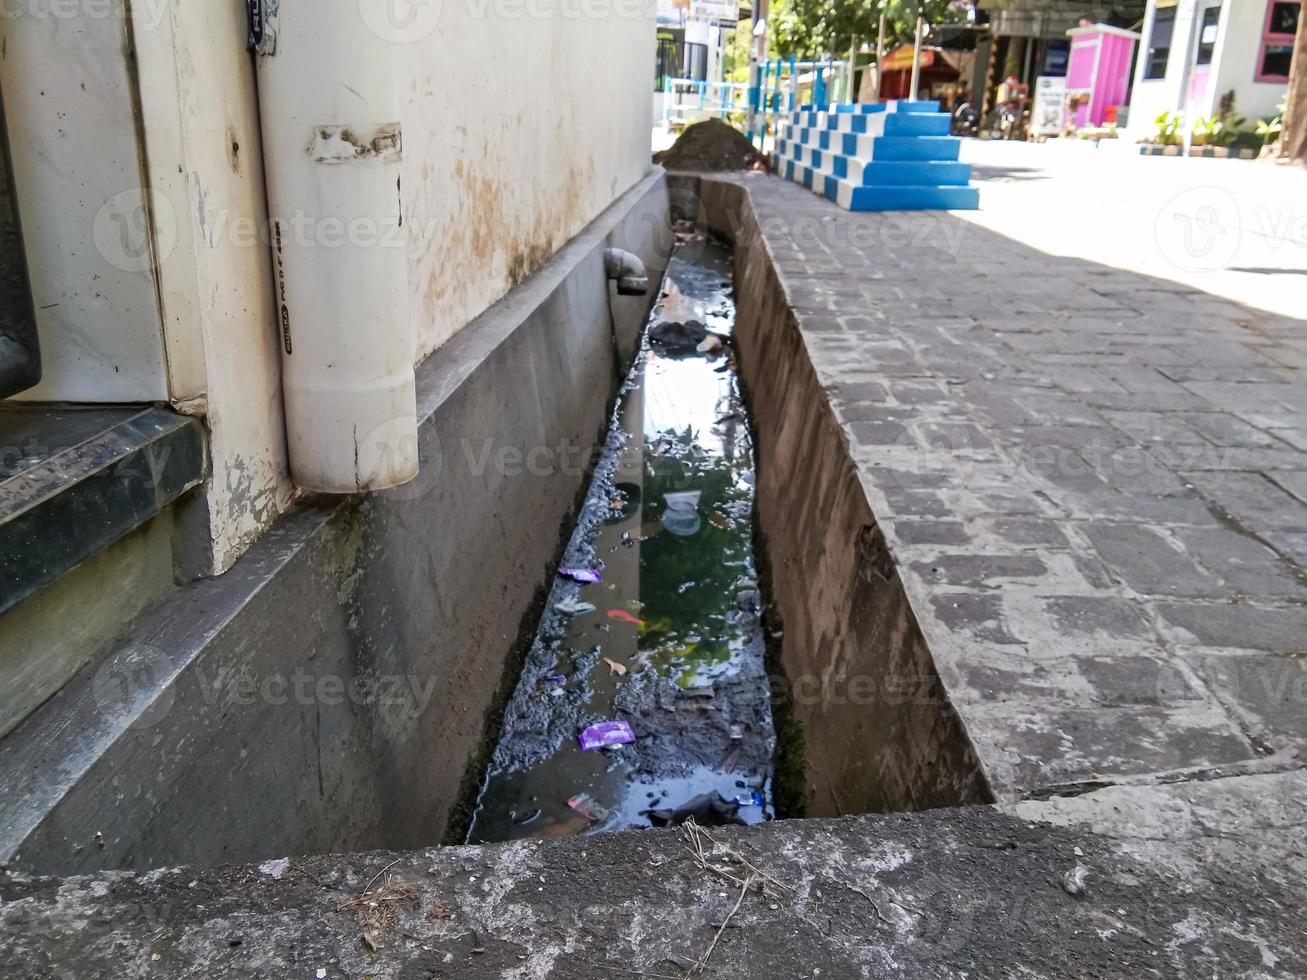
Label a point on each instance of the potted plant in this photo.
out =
(1168, 131)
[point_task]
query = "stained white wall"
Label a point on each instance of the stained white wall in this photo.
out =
(202, 139)
(522, 121)
(1234, 63)
(78, 175)
(1241, 49)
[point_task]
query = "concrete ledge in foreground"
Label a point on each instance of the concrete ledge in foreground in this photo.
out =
(977, 892)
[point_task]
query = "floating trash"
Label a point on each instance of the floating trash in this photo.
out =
(584, 804)
(667, 524)
(587, 575)
(575, 607)
(681, 515)
(606, 735)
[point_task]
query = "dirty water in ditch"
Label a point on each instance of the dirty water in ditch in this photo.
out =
(670, 641)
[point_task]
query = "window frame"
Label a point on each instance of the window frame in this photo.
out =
(1216, 9)
(1269, 40)
(1148, 53)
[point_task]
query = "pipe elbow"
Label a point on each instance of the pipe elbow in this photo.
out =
(627, 269)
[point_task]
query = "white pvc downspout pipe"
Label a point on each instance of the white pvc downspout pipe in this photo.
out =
(332, 146)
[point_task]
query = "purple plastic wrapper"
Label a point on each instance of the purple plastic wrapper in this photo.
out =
(606, 734)
(588, 575)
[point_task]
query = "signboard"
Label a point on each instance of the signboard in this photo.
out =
(900, 59)
(1049, 116)
(716, 11)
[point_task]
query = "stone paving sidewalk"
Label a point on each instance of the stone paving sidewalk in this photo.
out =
(1094, 484)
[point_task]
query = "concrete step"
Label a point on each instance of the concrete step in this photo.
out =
(935, 173)
(916, 124)
(886, 148)
(866, 146)
(872, 124)
(903, 105)
(909, 198)
(859, 197)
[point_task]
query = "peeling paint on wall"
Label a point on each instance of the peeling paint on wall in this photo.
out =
(342, 144)
(499, 178)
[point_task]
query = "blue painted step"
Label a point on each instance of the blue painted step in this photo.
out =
(916, 124)
(865, 147)
(885, 148)
(934, 173)
(910, 198)
(859, 171)
(924, 105)
(884, 198)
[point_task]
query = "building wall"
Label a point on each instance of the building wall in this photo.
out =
(69, 101)
(1233, 67)
(138, 166)
(1241, 46)
(201, 135)
(518, 130)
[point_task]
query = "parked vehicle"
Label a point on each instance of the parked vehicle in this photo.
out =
(966, 119)
(1010, 119)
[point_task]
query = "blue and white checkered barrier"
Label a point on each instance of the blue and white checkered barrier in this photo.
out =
(895, 156)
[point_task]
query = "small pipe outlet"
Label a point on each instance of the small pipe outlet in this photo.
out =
(628, 270)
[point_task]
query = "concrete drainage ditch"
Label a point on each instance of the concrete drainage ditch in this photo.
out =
(666, 644)
(832, 671)
(1080, 882)
(872, 728)
(653, 633)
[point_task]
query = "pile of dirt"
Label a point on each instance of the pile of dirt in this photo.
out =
(711, 145)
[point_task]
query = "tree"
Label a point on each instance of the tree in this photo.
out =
(1293, 135)
(811, 28)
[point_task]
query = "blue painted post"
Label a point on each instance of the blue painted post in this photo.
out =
(702, 87)
(794, 83)
(667, 99)
(776, 95)
(819, 90)
(755, 77)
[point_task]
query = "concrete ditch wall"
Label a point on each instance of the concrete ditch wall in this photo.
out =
(878, 731)
(333, 690)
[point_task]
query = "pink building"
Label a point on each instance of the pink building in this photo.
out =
(1099, 71)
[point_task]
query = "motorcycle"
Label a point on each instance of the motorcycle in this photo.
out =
(965, 120)
(1009, 122)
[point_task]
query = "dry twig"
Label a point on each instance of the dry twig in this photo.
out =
(376, 908)
(703, 960)
(697, 835)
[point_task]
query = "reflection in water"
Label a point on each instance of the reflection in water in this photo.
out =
(673, 644)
